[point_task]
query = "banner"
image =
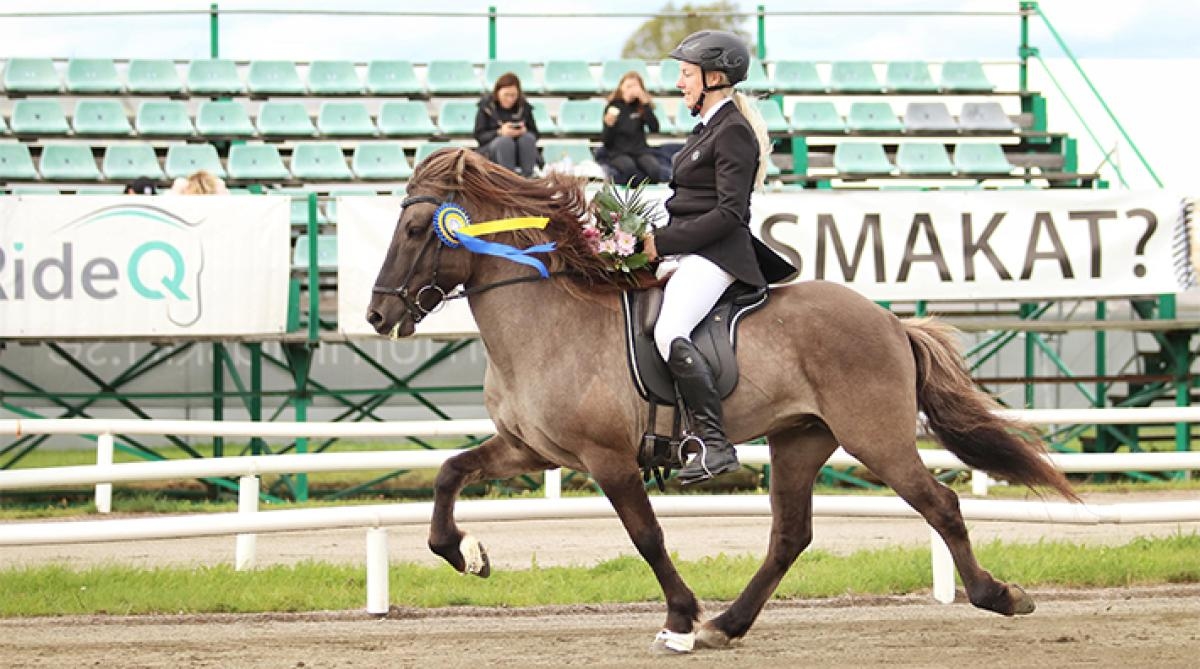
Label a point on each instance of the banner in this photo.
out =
(896, 246)
(137, 266)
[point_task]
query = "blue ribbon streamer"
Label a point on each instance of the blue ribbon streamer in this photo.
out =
(476, 245)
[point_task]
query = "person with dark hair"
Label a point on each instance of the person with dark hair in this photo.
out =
(627, 118)
(722, 163)
(505, 129)
(141, 186)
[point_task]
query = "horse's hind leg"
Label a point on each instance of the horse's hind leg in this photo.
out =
(899, 466)
(496, 458)
(796, 458)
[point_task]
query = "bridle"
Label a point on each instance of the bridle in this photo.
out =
(412, 303)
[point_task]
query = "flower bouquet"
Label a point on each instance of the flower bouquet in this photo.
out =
(620, 218)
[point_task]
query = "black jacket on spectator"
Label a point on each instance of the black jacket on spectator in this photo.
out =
(628, 134)
(710, 211)
(491, 115)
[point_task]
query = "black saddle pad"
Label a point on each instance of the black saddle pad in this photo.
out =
(715, 337)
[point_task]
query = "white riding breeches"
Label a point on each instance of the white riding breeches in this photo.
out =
(689, 295)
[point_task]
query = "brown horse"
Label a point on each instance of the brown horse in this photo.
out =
(820, 366)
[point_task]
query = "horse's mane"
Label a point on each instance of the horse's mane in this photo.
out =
(489, 192)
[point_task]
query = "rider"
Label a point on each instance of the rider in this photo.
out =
(723, 160)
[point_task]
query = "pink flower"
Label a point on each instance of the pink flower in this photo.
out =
(608, 246)
(625, 243)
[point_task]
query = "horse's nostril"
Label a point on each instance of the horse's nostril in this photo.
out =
(374, 317)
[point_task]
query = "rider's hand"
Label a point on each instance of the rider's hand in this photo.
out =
(649, 249)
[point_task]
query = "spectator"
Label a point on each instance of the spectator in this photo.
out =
(505, 129)
(199, 182)
(142, 186)
(627, 118)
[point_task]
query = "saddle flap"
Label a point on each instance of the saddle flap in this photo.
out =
(649, 307)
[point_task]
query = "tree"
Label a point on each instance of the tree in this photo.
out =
(657, 36)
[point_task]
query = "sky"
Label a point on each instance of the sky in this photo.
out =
(1092, 28)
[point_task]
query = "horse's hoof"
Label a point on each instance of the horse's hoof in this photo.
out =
(1022, 603)
(708, 636)
(475, 558)
(667, 642)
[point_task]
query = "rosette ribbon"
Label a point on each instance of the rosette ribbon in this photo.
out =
(453, 227)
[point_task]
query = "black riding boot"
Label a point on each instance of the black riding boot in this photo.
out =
(698, 389)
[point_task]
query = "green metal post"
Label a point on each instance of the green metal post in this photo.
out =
(1030, 352)
(300, 359)
(1070, 148)
(492, 33)
(218, 396)
(314, 287)
(255, 399)
(800, 156)
(921, 309)
(1024, 51)
(213, 33)
(762, 32)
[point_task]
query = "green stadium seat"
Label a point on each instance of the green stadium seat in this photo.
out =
(568, 77)
(92, 75)
(492, 70)
(345, 119)
(163, 118)
(274, 77)
(796, 76)
(34, 190)
(333, 77)
(861, 158)
(405, 118)
(854, 77)
(326, 252)
(31, 75)
(668, 74)
(214, 76)
(223, 118)
(965, 76)
(554, 151)
(100, 117)
(284, 119)
(928, 117)
(817, 117)
(16, 162)
(124, 162)
(581, 117)
(772, 168)
(612, 71)
(541, 116)
(38, 117)
(101, 189)
(184, 159)
(872, 117)
(457, 117)
(756, 78)
(153, 77)
(424, 149)
(909, 76)
(319, 160)
(985, 117)
(257, 162)
(393, 77)
(380, 160)
(684, 121)
(923, 158)
(68, 162)
(985, 158)
(451, 77)
(299, 209)
(773, 115)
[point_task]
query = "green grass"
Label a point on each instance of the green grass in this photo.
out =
(58, 590)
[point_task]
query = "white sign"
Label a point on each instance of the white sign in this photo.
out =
(131, 266)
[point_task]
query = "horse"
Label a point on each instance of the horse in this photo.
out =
(820, 364)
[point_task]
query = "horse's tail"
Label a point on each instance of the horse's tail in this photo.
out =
(961, 416)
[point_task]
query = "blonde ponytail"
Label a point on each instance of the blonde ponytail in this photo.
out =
(746, 105)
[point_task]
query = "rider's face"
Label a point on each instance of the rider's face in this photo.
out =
(690, 83)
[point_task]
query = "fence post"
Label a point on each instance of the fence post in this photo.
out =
(553, 483)
(247, 544)
(377, 571)
(943, 568)
(104, 458)
(979, 483)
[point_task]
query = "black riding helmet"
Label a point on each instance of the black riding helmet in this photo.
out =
(714, 51)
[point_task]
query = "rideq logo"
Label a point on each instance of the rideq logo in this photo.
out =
(122, 252)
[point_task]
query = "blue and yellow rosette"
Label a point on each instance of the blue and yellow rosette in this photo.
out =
(453, 227)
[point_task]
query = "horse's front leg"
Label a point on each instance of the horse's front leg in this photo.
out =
(622, 483)
(500, 457)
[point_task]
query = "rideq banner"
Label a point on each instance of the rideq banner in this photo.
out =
(974, 245)
(133, 266)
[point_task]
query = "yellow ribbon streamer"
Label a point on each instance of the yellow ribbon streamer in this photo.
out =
(504, 225)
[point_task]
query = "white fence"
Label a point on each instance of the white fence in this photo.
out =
(248, 521)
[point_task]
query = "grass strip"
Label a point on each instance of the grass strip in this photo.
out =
(114, 589)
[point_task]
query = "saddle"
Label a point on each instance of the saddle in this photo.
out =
(716, 339)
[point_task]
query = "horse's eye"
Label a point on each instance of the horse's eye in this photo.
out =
(416, 231)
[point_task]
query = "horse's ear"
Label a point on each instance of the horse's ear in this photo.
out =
(460, 166)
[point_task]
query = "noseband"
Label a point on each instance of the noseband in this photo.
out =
(412, 304)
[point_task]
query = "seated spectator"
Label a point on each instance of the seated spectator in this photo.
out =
(199, 182)
(141, 186)
(628, 117)
(505, 129)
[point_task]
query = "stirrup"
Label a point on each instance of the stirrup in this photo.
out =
(689, 474)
